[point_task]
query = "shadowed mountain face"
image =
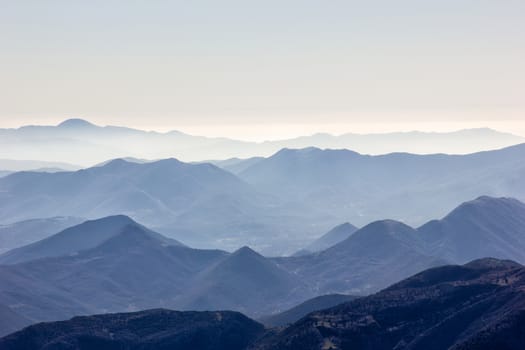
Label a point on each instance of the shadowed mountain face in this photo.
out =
(297, 312)
(480, 306)
(152, 329)
(21, 233)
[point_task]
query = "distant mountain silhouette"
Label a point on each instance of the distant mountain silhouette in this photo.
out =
(297, 312)
(77, 140)
(199, 201)
(76, 123)
(145, 330)
(21, 233)
(407, 187)
(479, 306)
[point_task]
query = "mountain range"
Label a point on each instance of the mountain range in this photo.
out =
(273, 204)
(406, 187)
(198, 201)
(151, 329)
(297, 312)
(480, 305)
(77, 140)
(116, 265)
(78, 238)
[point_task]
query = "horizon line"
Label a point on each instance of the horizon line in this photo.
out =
(310, 133)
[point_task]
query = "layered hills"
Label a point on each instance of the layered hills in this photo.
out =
(479, 305)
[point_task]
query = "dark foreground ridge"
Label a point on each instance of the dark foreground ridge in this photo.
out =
(153, 329)
(480, 305)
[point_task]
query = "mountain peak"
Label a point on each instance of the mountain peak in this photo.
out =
(245, 251)
(484, 204)
(76, 123)
(389, 225)
(71, 240)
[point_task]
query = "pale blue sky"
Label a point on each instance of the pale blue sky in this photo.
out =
(284, 66)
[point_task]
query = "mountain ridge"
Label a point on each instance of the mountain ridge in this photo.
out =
(96, 143)
(479, 305)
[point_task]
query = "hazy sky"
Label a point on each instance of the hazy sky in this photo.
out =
(264, 69)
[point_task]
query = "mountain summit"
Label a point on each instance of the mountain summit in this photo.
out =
(76, 123)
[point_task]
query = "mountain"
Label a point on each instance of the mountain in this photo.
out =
(132, 269)
(21, 233)
(373, 257)
(77, 238)
(476, 306)
(329, 239)
(361, 188)
(248, 282)
(276, 204)
(198, 201)
(76, 139)
(480, 305)
(114, 265)
(145, 330)
(414, 141)
(297, 312)
(385, 251)
(482, 227)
